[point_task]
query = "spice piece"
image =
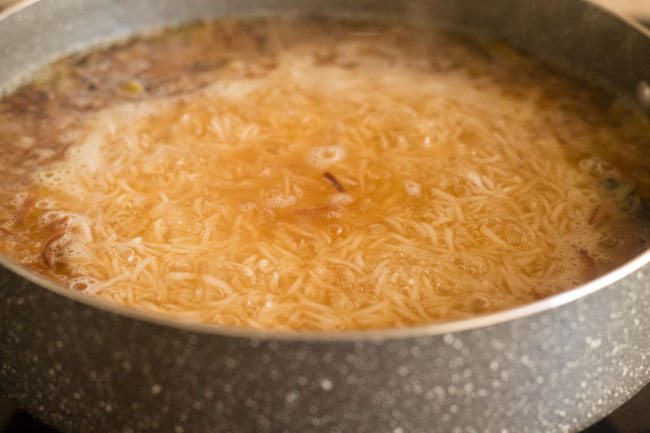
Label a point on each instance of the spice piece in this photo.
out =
(334, 181)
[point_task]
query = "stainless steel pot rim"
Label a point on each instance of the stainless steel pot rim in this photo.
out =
(437, 328)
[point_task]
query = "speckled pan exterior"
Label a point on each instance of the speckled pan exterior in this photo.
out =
(555, 366)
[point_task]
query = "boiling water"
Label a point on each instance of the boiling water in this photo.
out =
(309, 174)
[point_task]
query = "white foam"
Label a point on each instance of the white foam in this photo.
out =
(72, 221)
(412, 188)
(324, 156)
(247, 207)
(83, 157)
(340, 199)
(76, 251)
(45, 203)
(19, 199)
(48, 218)
(54, 252)
(78, 270)
(87, 155)
(30, 260)
(280, 200)
(84, 284)
(43, 153)
(51, 179)
(264, 266)
(335, 229)
(476, 180)
(9, 223)
(333, 215)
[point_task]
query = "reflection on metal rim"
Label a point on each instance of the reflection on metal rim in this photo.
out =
(379, 334)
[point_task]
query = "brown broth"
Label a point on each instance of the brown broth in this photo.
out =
(312, 174)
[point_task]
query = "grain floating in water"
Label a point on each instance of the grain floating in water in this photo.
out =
(310, 174)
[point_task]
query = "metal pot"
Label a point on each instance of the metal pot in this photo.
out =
(554, 366)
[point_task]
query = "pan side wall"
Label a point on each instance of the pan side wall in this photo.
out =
(86, 370)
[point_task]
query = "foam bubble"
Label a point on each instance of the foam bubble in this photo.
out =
(84, 284)
(30, 260)
(75, 250)
(579, 249)
(324, 156)
(72, 221)
(53, 252)
(56, 215)
(340, 199)
(78, 270)
(43, 153)
(264, 266)
(412, 188)
(335, 230)
(81, 158)
(333, 215)
(87, 155)
(247, 207)
(50, 217)
(9, 223)
(45, 203)
(19, 199)
(49, 179)
(281, 200)
(67, 250)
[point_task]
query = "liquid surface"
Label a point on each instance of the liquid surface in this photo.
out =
(308, 174)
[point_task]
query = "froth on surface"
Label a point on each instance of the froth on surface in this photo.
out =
(334, 182)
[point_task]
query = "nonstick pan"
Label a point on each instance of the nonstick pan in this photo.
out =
(557, 365)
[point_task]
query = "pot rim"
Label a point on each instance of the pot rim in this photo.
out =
(432, 329)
